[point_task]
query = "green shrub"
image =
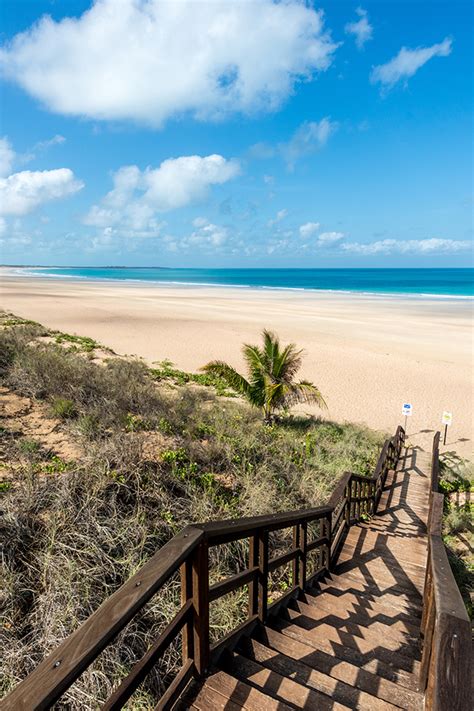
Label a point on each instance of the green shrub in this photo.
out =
(63, 408)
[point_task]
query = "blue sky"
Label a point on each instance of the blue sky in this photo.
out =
(244, 134)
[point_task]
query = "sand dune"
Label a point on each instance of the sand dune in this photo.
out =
(367, 354)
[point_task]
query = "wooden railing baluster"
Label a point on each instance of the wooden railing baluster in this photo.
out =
(263, 575)
(253, 585)
(200, 577)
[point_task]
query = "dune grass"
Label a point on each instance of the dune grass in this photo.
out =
(157, 455)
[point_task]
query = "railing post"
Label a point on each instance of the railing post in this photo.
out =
(187, 646)
(348, 503)
(262, 575)
(297, 561)
(253, 586)
(328, 534)
(304, 554)
(200, 584)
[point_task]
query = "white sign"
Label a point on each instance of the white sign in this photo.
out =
(407, 409)
(447, 418)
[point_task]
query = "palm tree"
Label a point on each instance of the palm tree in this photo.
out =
(270, 384)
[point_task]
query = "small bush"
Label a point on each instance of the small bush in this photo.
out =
(63, 408)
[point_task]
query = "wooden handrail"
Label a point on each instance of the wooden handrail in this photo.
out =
(445, 674)
(353, 497)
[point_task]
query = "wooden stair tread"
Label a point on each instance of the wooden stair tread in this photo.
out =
(341, 670)
(399, 670)
(278, 686)
(237, 692)
(365, 595)
(378, 582)
(348, 696)
(371, 612)
(356, 624)
(365, 643)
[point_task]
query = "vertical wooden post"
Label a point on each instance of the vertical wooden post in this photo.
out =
(304, 555)
(200, 578)
(297, 562)
(253, 586)
(263, 575)
(187, 645)
(328, 527)
(348, 504)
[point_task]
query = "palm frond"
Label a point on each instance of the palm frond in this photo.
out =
(288, 363)
(306, 392)
(233, 379)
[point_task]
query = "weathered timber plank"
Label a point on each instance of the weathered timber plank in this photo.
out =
(341, 670)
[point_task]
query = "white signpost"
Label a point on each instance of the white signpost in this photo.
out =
(407, 410)
(447, 420)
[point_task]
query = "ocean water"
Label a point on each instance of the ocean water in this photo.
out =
(415, 282)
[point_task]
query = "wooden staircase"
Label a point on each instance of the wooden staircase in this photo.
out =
(373, 618)
(352, 640)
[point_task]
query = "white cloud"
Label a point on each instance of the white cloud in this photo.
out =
(22, 192)
(329, 238)
(138, 196)
(362, 29)
(207, 235)
(308, 229)
(7, 156)
(433, 245)
(281, 214)
(150, 60)
(407, 62)
(307, 139)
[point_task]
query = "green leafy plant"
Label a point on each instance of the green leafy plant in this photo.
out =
(63, 408)
(271, 371)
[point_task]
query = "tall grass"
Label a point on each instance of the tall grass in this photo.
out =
(156, 457)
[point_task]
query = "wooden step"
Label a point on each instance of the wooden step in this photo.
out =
(387, 665)
(235, 694)
(367, 614)
(413, 562)
(355, 624)
(386, 562)
(289, 667)
(377, 580)
(360, 595)
(382, 647)
(343, 672)
(278, 686)
(368, 539)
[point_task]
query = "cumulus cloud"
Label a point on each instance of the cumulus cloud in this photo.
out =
(407, 62)
(7, 156)
(433, 245)
(150, 60)
(207, 234)
(326, 239)
(309, 229)
(138, 196)
(361, 29)
(21, 193)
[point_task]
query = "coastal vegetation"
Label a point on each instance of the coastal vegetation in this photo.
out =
(103, 460)
(271, 384)
(139, 453)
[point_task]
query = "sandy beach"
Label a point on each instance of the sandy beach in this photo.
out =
(367, 354)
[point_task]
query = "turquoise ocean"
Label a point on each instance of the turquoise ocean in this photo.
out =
(454, 283)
